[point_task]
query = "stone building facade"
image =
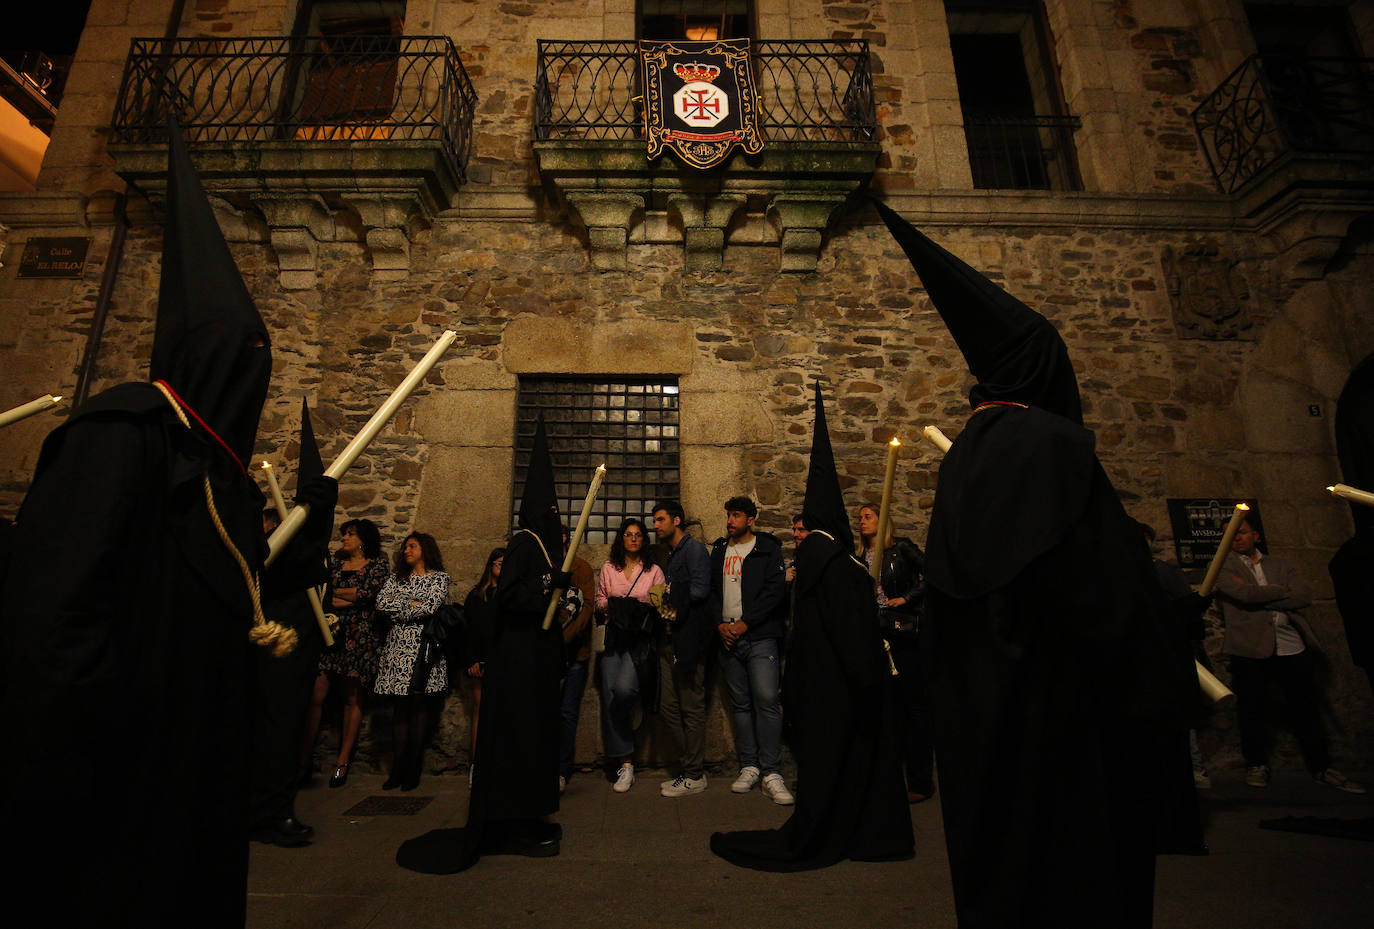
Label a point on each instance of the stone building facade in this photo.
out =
(1212, 329)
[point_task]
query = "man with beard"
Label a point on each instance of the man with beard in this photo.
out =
(515, 781)
(128, 606)
(1048, 640)
(851, 798)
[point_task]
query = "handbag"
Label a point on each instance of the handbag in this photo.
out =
(628, 620)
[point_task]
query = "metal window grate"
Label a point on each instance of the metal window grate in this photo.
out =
(631, 425)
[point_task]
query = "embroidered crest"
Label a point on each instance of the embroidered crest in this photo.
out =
(699, 100)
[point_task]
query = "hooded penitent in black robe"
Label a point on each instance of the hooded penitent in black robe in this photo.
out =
(515, 780)
(284, 682)
(126, 621)
(851, 795)
(1059, 697)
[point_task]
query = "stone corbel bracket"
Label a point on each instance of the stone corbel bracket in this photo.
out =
(608, 216)
(704, 221)
(803, 218)
(296, 225)
(390, 219)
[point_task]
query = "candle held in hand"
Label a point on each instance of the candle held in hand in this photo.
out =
(1214, 569)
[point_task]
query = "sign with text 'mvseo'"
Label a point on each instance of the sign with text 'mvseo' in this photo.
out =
(1198, 524)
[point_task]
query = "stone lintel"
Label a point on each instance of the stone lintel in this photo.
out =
(607, 216)
(704, 221)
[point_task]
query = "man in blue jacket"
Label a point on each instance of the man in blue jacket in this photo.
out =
(748, 603)
(685, 648)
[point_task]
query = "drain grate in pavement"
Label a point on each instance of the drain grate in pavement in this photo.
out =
(388, 806)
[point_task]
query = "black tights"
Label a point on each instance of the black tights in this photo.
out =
(410, 730)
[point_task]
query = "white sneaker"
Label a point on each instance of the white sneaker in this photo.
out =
(775, 788)
(683, 785)
(748, 777)
(624, 778)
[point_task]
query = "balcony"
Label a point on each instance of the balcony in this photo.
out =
(1292, 139)
(307, 131)
(816, 115)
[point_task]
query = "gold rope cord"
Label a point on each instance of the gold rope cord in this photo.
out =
(281, 639)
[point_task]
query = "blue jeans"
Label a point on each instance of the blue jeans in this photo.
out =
(751, 674)
(619, 695)
(573, 683)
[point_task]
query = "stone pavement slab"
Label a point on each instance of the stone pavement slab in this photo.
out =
(638, 859)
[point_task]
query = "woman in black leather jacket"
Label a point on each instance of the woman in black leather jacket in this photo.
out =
(901, 589)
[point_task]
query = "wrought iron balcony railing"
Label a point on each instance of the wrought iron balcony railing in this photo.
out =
(1022, 152)
(808, 91)
(1272, 105)
(306, 89)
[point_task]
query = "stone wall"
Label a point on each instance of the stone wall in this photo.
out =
(1198, 354)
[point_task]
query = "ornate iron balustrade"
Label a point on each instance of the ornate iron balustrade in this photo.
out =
(809, 91)
(1273, 104)
(306, 89)
(1022, 152)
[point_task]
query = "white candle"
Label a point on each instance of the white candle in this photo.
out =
(1353, 494)
(576, 540)
(938, 438)
(310, 593)
(1214, 568)
(25, 410)
(1212, 688)
(884, 515)
(385, 412)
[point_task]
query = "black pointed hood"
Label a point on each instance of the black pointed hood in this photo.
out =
(539, 502)
(823, 507)
(210, 346)
(309, 464)
(1015, 353)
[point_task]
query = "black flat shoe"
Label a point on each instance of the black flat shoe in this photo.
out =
(392, 782)
(340, 776)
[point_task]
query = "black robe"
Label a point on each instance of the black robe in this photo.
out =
(515, 783)
(1059, 697)
(851, 796)
(127, 676)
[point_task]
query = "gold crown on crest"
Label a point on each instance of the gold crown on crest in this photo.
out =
(691, 71)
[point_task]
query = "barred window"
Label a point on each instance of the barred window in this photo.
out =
(630, 425)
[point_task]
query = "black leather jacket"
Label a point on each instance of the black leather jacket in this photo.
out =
(903, 576)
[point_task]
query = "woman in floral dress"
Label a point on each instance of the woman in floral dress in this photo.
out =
(356, 575)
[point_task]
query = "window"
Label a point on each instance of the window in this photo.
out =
(697, 20)
(1019, 136)
(629, 425)
(345, 86)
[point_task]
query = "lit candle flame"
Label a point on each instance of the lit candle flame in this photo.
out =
(895, 442)
(266, 465)
(1242, 506)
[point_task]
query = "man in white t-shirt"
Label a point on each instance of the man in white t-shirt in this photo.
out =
(749, 603)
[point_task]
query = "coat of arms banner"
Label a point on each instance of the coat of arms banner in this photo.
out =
(699, 100)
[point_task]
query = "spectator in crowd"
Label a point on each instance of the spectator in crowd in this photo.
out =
(747, 602)
(356, 576)
(478, 620)
(685, 646)
(410, 596)
(622, 601)
(901, 587)
(1270, 644)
